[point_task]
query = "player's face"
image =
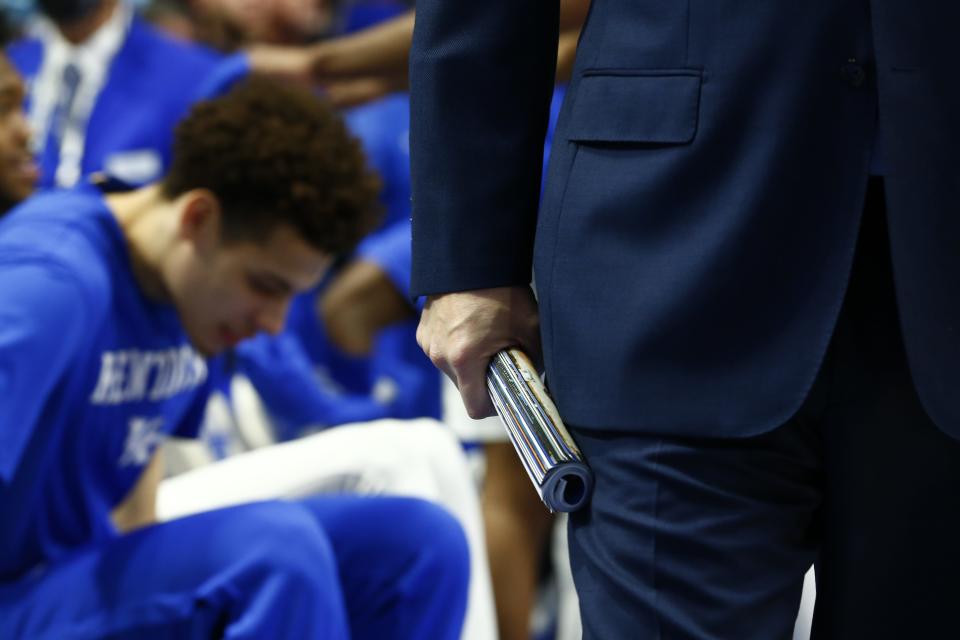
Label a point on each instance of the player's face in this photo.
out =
(236, 290)
(18, 171)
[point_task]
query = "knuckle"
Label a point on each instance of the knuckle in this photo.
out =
(459, 359)
(461, 353)
(421, 338)
(435, 356)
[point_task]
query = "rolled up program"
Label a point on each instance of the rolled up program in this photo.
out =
(548, 453)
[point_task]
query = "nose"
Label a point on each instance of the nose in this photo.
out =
(272, 316)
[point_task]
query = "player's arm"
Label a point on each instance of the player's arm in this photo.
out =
(45, 317)
(358, 304)
(369, 64)
(384, 49)
(353, 68)
(281, 372)
(573, 13)
(567, 45)
(139, 508)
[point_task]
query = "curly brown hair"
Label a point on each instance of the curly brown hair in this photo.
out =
(274, 153)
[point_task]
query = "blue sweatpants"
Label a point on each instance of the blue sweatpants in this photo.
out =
(331, 567)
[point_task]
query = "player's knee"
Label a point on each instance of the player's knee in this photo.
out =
(437, 542)
(280, 538)
(273, 564)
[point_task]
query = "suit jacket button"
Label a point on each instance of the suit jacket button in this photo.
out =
(853, 73)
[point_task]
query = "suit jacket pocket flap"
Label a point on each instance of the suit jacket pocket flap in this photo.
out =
(658, 106)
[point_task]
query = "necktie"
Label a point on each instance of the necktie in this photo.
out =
(60, 119)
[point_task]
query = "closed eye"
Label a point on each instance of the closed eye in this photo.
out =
(268, 285)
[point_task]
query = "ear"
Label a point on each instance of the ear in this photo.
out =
(200, 218)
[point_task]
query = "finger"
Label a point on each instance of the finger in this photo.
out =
(477, 402)
(530, 345)
(473, 390)
(436, 356)
(422, 333)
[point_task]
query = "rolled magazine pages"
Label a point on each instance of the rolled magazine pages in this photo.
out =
(548, 453)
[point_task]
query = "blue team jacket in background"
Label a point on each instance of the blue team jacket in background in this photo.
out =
(152, 83)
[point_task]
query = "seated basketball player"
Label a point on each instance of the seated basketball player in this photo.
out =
(111, 302)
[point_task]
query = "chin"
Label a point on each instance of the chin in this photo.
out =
(205, 347)
(9, 200)
(25, 191)
(205, 352)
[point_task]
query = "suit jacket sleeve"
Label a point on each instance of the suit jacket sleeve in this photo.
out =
(481, 75)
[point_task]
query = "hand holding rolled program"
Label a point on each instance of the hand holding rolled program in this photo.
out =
(548, 453)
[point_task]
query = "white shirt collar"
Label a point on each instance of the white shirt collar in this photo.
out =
(93, 59)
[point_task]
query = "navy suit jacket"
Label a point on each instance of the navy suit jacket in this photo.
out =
(701, 208)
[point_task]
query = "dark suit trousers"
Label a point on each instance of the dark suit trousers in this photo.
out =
(696, 538)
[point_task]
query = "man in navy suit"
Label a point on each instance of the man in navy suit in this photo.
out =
(745, 261)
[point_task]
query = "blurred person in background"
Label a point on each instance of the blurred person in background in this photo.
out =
(106, 89)
(18, 170)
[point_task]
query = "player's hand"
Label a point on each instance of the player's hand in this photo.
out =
(460, 332)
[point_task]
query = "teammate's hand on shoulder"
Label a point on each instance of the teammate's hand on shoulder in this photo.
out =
(461, 331)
